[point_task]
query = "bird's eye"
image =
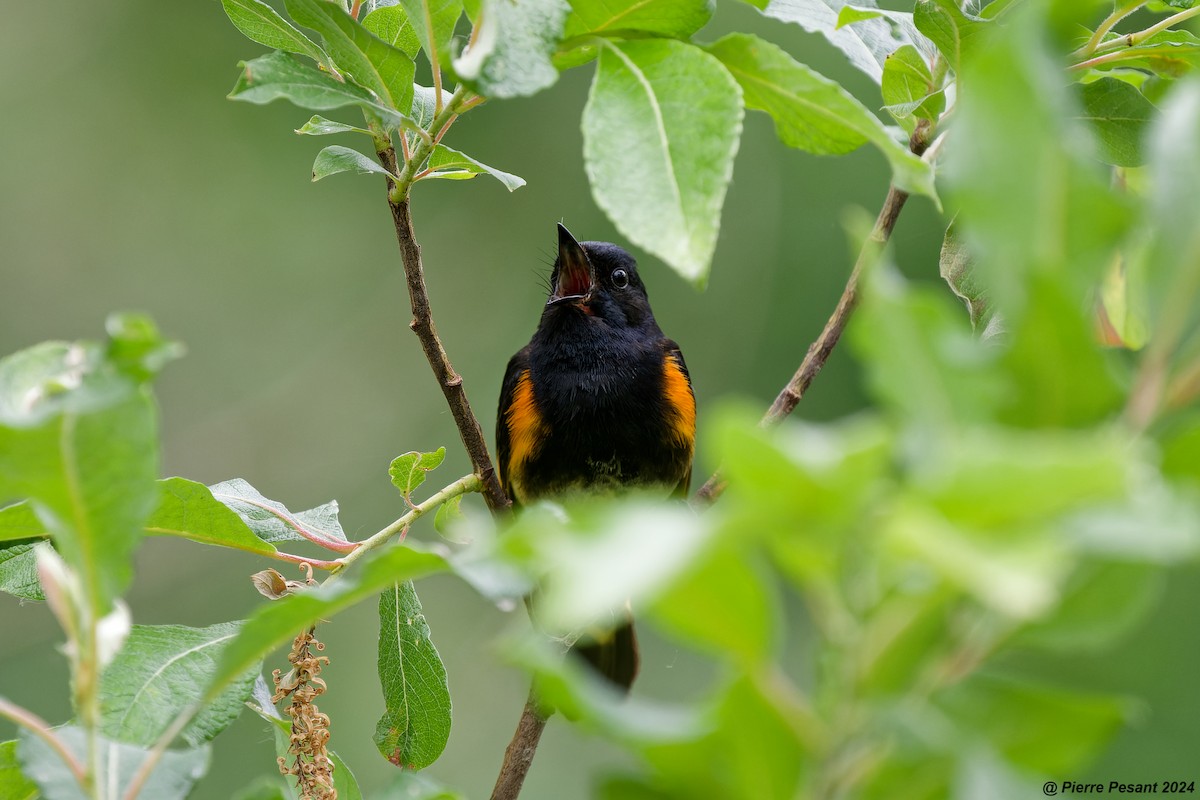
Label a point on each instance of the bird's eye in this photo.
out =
(620, 278)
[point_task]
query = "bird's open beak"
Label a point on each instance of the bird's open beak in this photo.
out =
(576, 277)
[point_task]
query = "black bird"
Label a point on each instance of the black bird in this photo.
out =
(599, 400)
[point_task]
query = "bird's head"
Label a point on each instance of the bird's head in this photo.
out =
(598, 280)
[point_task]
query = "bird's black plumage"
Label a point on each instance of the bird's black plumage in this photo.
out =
(599, 400)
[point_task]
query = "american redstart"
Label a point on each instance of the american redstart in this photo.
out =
(599, 400)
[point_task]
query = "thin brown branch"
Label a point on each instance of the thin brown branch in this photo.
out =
(448, 379)
(520, 752)
(820, 350)
(40, 728)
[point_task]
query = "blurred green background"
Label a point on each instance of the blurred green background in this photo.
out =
(130, 182)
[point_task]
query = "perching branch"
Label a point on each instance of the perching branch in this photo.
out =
(518, 756)
(449, 380)
(820, 350)
(40, 728)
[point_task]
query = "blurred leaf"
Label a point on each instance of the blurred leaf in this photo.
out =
(1045, 729)
(596, 556)
(261, 23)
(408, 470)
(171, 779)
(954, 32)
(18, 570)
(335, 158)
(1020, 579)
(188, 509)
(447, 515)
(279, 76)
(957, 268)
(866, 43)
(1058, 373)
(415, 726)
(1102, 602)
(512, 49)
(729, 764)
(264, 788)
(79, 438)
(1158, 524)
(998, 479)
(271, 520)
(136, 347)
(1173, 266)
(445, 159)
(277, 622)
(669, 18)
(13, 784)
(812, 112)
(319, 126)
(569, 686)
(1033, 200)
(660, 130)
(1120, 114)
(626, 787)
(908, 87)
(848, 15)
(392, 25)
(18, 521)
(162, 669)
(433, 22)
(905, 633)
(723, 605)
(385, 70)
(416, 786)
(922, 359)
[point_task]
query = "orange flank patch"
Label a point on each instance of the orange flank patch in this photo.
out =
(525, 431)
(679, 397)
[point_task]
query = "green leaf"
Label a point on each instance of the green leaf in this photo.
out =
(677, 19)
(1101, 603)
(424, 107)
(955, 33)
(1169, 53)
(957, 268)
(415, 726)
(280, 76)
(812, 112)
(416, 786)
(393, 26)
(603, 556)
(724, 605)
(866, 43)
(1033, 201)
(922, 359)
(261, 23)
(1172, 270)
(660, 130)
(264, 788)
(335, 159)
(18, 521)
(319, 126)
(374, 64)
(511, 56)
(162, 669)
(408, 470)
(271, 520)
(448, 514)
(1044, 729)
(1119, 114)
(171, 779)
(848, 15)
(280, 621)
(78, 437)
(13, 783)
(908, 87)
(433, 23)
(449, 163)
(188, 509)
(18, 571)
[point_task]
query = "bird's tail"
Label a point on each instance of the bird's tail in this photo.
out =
(614, 654)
